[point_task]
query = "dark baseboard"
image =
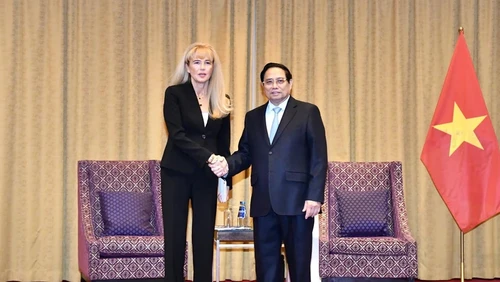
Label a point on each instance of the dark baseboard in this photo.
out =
(128, 280)
(365, 279)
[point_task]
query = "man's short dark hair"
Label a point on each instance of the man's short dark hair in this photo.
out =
(288, 74)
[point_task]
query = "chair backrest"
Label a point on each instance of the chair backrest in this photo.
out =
(125, 176)
(363, 176)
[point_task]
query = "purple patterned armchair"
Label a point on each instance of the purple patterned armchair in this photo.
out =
(120, 225)
(364, 227)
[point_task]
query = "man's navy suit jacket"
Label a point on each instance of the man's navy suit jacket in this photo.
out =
(293, 168)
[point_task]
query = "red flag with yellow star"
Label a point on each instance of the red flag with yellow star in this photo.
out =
(461, 150)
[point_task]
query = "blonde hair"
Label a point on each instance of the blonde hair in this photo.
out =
(219, 102)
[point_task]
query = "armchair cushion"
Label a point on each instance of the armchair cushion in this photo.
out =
(126, 213)
(131, 246)
(380, 246)
(364, 213)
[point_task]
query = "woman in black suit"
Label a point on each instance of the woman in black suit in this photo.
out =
(196, 112)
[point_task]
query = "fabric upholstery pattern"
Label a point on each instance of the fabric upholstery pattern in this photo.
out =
(364, 213)
(127, 213)
(103, 257)
(393, 256)
(132, 246)
(384, 246)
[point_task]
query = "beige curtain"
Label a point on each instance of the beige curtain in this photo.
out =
(85, 80)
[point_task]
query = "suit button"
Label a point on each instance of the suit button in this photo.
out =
(203, 136)
(270, 153)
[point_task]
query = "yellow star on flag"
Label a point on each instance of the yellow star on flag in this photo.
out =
(461, 129)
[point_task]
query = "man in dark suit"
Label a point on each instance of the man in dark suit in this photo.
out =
(284, 142)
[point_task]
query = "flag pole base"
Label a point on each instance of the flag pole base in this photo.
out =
(461, 256)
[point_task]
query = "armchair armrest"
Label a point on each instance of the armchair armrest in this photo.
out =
(88, 249)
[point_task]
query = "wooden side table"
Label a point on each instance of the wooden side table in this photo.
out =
(233, 238)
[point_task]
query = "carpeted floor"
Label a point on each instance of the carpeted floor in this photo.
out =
(339, 280)
(417, 280)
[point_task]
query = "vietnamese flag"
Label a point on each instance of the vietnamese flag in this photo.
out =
(461, 150)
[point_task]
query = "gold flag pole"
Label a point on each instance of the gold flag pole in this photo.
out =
(461, 256)
(461, 30)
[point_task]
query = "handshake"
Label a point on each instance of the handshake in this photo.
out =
(218, 164)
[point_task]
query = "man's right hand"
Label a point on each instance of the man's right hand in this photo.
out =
(219, 166)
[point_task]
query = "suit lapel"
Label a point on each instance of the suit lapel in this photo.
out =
(290, 111)
(261, 122)
(194, 104)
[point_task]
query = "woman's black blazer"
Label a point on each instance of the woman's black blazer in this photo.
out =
(190, 143)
